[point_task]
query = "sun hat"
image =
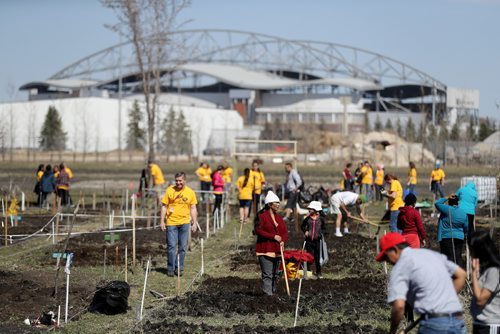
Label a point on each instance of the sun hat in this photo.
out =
(362, 198)
(271, 198)
(387, 242)
(315, 205)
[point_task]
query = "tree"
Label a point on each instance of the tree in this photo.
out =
(367, 123)
(167, 142)
(388, 125)
(176, 134)
(399, 128)
(471, 131)
(455, 132)
(135, 134)
(421, 133)
(378, 124)
(410, 132)
(486, 128)
(443, 133)
(183, 135)
(149, 24)
(52, 136)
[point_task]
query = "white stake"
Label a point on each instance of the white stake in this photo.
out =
(22, 202)
(178, 275)
(126, 200)
(123, 219)
(126, 263)
(3, 208)
(133, 230)
(385, 262)
(144, 289)
(53, 234)
(202, 271)
(58, 315)
(297, 306)
(67, 271)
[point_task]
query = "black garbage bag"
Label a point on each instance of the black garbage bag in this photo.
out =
(111, 298)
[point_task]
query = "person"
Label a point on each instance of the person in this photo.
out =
(485, 306)
(347, 176)
(48, 185)
(412, 178)
(339, 203)
(421, 277)
(410, 222)
(379, 181)
(394, 200)
(452, 228)
(314, 228)
(259, 181)
(367, 180)
(178, 208)
(218, 188)
(158, 179)
(357, 178)
(467, 201)
(204, 173)
(38, 185)
(272, 234)
(143, 184)
(245, 189)
(70, 177)
(436, 181)
(62, 181)
(293, 183)
(227, 175)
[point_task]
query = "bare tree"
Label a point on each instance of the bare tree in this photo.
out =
(149, 24)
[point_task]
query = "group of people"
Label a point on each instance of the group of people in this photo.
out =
(53, 180)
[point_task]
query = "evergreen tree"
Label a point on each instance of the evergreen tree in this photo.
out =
(410, 130)
(52, 136)
(455, 132)
(378, 124)
(486, 128)
(421, 133)
(471, 132)
(399, 128)
(135, 134)
(167, 142)
(367, 123)
(388, 125)
(432, 135)
(443, 133)
(183, 135)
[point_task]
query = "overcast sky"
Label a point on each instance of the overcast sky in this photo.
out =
(456, 41)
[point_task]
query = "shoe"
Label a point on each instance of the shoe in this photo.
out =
(175, 273)
(318, 275)
(338, 234)
(170, 273)
(346, 232)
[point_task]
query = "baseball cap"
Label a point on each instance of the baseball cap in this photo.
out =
(387, 242)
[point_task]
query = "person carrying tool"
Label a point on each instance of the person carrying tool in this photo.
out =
(178, 208)
(485, 306)
(272, 234)
(410, 222)
(452, 228)
(394, 200)
(339, 203)
(314, 227)
(421, 277)
(436, 181)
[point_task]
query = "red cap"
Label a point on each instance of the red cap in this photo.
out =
(387, 242)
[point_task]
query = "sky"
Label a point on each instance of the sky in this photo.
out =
(455, 41)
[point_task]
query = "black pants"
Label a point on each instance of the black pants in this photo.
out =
(378, 195)
(255, 204)
(218, 202)
(269, 267)
(471, 230)
(205, 186)
(347, 185)
(453, 250)
(314, 247)
(63, 195)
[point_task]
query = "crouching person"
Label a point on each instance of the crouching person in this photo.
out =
(313, 227)
(272, 234)
(428, 281)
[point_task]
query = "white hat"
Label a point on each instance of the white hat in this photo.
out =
(315, 205)
(271, 198)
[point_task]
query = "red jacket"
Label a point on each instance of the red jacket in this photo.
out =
(266, 230)
(410, 222)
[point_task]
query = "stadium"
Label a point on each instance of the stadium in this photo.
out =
(232, 83)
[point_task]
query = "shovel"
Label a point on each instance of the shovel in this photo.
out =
(284, 271)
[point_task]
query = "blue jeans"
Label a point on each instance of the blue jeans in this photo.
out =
(449, 325)
(368, 192)
(393, 224)
(411, 188)
(177, 236)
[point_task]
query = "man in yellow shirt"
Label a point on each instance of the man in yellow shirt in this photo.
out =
(205, 176)
(158, 179)
(394, 200)
(436, 181)
(259, 181)
(178, 206)
(367, 180)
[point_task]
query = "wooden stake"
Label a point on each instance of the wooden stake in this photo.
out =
(144, 289)
(126, 263)
(241, 230)
(202, 270)
(284, 271)
(116, 259)
(385, 262)
(104, 264)
(297, 305)
(93, 201)
(133, 230)
(178, 275)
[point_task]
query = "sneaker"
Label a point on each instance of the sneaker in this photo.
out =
(170, 273)
(338, 234)
(346, 232)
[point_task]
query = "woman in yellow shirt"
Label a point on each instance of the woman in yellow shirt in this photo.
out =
(205, 175)
(394, 200)
(379, 181)
(245, 188)
(412, 178)
(38, 185)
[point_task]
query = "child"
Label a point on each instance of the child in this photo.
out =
(313, 227)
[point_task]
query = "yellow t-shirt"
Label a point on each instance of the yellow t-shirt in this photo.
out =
(437, 175)
(396, 203)
(204, 174)
(69, 171)
(178, 204)
(227, 175)
(157, 175)
(412, 175)
(245, 192)
(39, 176)
(379, 177)
(258, 179)
(368, 175)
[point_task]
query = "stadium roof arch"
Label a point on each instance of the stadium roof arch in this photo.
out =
(251, 61)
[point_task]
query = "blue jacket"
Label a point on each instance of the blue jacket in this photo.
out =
(48, 182)
(459, 221)
(467, 196)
